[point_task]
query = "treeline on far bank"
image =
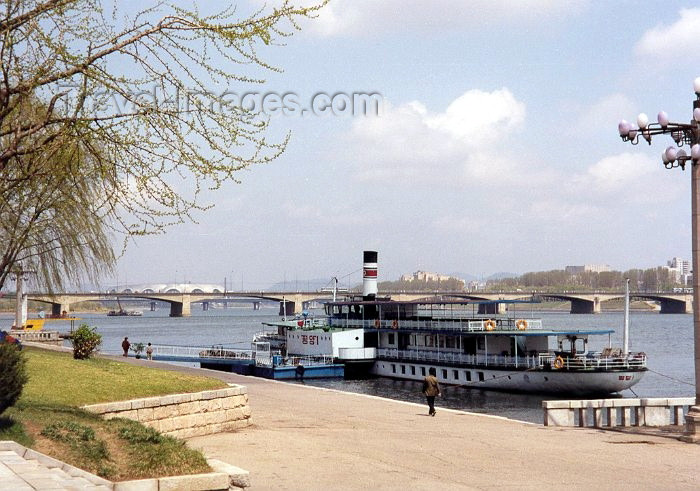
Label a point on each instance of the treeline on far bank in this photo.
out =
(652, 279)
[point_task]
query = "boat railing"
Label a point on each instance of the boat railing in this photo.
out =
(276, 360)
(527, 361)
(442, 324)
(588, 361)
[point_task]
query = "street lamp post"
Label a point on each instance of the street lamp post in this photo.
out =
(672, 157)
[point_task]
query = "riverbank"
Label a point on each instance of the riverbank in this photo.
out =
(309, 438)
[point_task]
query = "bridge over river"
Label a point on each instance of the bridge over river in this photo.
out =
(296, 301)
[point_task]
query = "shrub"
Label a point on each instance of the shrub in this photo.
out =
(85, 342)
(13, 375)
(137, 348)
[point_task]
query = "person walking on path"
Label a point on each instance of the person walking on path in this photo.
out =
(431, 388)
(125, 346)
(149, 351)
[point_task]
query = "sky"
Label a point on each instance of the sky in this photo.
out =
(495, 148)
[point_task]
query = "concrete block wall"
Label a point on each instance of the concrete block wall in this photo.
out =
(617, 412)
(184, 415)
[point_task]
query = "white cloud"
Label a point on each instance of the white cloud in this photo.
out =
(461, 144)
(605, 114)
(368, 17)
(672, 41)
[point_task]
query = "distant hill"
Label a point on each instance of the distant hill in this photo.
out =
(501, 276)
(495, 276)
(301, 285)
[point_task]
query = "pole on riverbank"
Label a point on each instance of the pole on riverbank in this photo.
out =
(673, 157)
(626, 331)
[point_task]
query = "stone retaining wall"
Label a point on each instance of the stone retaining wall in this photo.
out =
(184, 415)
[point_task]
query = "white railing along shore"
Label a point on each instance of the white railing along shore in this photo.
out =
(599, 413)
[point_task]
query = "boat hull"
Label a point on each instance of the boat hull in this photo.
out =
(576, 383)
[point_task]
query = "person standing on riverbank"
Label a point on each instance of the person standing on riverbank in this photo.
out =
(125, 346)
(431, 388)
(149, 352)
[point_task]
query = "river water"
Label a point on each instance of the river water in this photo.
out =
(666, 339)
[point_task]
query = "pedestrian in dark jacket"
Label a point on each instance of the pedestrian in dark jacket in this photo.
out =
(431, 388)
(125, 346)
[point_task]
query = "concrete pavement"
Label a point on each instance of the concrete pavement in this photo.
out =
(308, 438)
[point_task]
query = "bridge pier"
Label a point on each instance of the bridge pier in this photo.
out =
(180, 309)
(256, 305)
(205, 306)
(153, 306)
(675, 307)
(57, 309)
(579, 306)
(287, 307)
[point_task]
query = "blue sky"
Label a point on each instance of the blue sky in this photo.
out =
(496, 148)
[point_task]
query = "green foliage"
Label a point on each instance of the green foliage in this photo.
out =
(82, 440)
(449, 285)
(647, 280)
(55, 378)
(85, 342)
(155, 453)
(13, 375)
(136, 433)
(137, 348)
(11, 429)
(87, 153)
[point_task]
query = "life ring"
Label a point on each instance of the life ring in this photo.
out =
(521, 324)
(558, 363)
(394, 324)
(377, 323)
(489, 325)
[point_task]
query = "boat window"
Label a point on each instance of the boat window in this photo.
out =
(444, 373)
(391, 338)
(468, 375)
(413, 370)
(481, 376)
(455, 374)
(422, 371)
(403, 369)
(393, 368)
(449, 342)
(429, 341)
(441, 340)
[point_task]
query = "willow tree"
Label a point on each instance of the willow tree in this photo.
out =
(116, 125)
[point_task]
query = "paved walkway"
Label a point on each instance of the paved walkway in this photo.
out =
(308, 438)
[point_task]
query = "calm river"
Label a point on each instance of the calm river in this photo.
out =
(667, 340)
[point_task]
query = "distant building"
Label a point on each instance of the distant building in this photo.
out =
(680, 268)
(425, 276)
(593, 268)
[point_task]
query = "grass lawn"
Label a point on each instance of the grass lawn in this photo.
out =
(47, 417)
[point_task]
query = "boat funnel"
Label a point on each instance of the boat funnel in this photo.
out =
(369, 275)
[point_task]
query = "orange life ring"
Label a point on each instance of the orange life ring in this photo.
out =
(558, 363)
(394, 324)
(377, 323)
(521, 324)
(490, 325)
